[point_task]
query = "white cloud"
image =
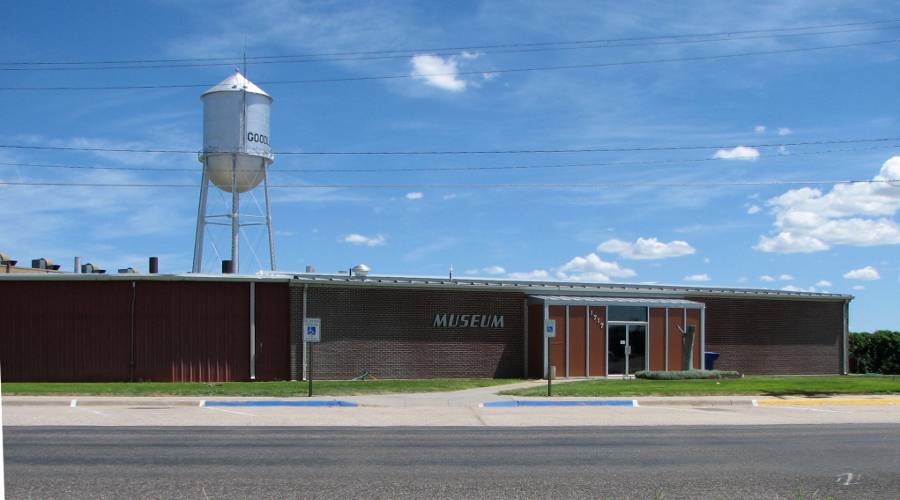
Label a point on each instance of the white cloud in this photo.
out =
(415, 195)
(592, 268)
(766, 278)
(760, 129)
(646, 248)
(697, 277)
(536, 275)
(786, 277)
(449, 196)
(438, 72)
(490, 270)
(867, 273)
(859, 287)
(809, 220)
(792, 288)
(782, 131)
(738, 153)
(823, 283)
(369, 241)
(753, 209)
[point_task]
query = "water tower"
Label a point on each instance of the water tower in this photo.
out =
(236, 156)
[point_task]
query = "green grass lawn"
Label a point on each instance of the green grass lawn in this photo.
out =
(261, 389)
(763, 386)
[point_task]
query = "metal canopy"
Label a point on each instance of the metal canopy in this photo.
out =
(575, 300)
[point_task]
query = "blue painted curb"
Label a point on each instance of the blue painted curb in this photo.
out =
(518, 403)
(274, 403)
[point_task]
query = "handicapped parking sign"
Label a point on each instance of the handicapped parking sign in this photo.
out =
(550, 328)
(312, 330)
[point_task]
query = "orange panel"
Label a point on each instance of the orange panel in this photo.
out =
(577, 342)
(676, 319)
(598, 342)
(693, 318)
(657, 338)
(558, 343)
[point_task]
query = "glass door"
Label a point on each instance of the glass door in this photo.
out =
(637, 342)
(616, 359)
(627, 349)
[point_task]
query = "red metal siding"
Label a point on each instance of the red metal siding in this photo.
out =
(676, 320)
(56, 331)
(558, 343)
(192, 331)
(693, 319)
(535, 341)
(657, 345)
(577, 342)
(273, 329)
(598, 342)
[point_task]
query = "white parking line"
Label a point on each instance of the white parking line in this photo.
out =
(230, 411)
(695, 410)
(813, 409)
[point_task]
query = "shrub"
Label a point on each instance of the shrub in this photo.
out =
(687, 375)
(877, 352)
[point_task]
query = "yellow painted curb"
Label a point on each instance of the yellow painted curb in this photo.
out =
(828, 402)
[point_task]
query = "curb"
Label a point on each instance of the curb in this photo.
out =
(539, 403)
(269, 403)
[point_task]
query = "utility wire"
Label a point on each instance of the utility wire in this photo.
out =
(311, 59)
(698, 185)
(230, 60)
(463, 73)
(598, 149)
(452, 168)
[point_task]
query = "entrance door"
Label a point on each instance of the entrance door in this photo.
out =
(627, 349)
(637, 340)
(615, 357)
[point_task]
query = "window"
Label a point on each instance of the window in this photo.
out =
(626, 313)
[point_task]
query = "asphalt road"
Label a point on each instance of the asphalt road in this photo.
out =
(808, 461)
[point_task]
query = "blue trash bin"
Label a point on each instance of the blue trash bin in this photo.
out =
(710, 358)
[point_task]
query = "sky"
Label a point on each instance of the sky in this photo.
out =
(706, 130)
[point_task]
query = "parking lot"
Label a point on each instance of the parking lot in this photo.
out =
(409, 411)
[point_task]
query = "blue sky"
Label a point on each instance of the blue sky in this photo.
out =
(830, 238)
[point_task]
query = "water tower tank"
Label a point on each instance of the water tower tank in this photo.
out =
(236, 129)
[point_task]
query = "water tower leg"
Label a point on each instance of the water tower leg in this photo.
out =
(235, 218)
(269, 220)
(201, 223)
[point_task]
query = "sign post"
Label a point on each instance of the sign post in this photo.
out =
(549, 333)
(312, 334)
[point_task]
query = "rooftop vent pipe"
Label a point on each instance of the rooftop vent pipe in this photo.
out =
(154, 265)
(227, 267)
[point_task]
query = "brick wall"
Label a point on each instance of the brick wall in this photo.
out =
(390, 333)
(756, 336)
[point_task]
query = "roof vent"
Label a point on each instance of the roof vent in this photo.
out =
(128, 270)
(6, 261)
(361, 270)
(91, 268)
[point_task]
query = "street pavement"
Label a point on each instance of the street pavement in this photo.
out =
(809, 462)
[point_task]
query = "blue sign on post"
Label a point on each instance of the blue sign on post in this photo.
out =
(312, 330)
(550, 328)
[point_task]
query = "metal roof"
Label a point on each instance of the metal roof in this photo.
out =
(235, 83)
(617, 301)
(562, 288)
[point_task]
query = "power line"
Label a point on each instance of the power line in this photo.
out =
(462, 73)
(472, 152)
(231, 60)
(262, 60)
(701, 185)
(452, 168)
